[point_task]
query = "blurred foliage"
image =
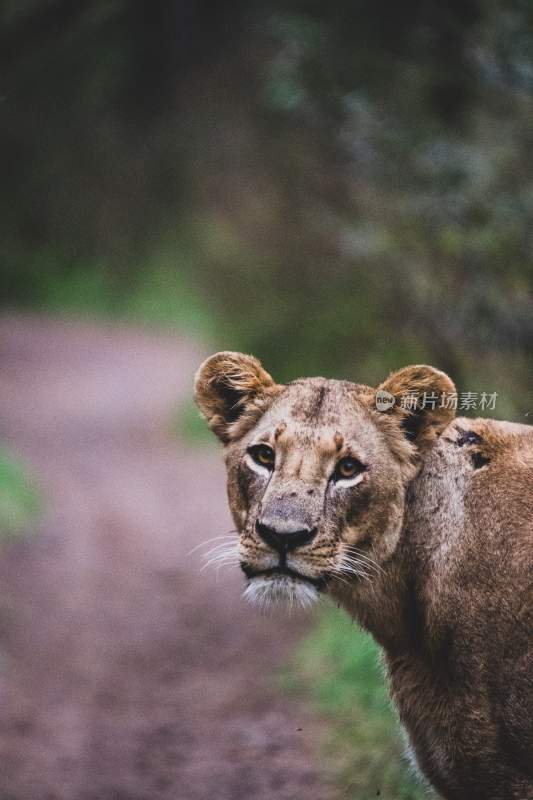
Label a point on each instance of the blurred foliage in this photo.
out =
(339, 666)
(341, 188)
(19, 500)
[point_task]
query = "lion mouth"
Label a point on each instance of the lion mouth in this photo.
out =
(280, 586)
(282, 570)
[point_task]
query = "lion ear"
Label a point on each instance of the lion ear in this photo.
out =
(423, 400)
(232, 390)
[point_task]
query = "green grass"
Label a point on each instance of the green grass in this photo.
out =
(19, 500)
(338, 665)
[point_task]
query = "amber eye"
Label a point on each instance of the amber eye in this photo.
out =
(348, 468)
(263, 454)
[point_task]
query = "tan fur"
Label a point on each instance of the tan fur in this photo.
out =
(430, 550)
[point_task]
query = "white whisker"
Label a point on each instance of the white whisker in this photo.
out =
(348, 565)
(359, 554)
(228, 536)
(227, 547)
(353, 563)
(360, 557)
(218, 563)
(222, 554)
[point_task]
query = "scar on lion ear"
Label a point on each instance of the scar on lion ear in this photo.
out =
(232, 390)
(423, 402)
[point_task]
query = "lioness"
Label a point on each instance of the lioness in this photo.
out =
(419, 525)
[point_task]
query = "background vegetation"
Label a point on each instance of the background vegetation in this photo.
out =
(279, 176)
(341, 188)
(340, 667)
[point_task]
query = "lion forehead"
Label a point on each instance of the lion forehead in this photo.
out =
(316, 411)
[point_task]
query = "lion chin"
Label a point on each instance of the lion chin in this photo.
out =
(280, 590)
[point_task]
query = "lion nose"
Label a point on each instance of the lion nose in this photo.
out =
(284, 538)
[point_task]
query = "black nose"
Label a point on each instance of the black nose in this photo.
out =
(286, 539)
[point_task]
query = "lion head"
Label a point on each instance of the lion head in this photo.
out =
(318, 469)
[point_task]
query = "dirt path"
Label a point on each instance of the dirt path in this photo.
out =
(128, 674)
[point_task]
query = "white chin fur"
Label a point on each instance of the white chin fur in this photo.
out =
(280, 590)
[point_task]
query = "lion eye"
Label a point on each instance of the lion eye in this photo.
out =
(263, 455)
(347, 468)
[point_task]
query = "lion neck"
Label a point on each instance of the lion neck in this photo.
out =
(385, 607)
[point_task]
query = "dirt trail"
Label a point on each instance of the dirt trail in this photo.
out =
(127, 673)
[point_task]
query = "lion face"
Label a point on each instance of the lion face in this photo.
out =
(316, 474)
(314, 493)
